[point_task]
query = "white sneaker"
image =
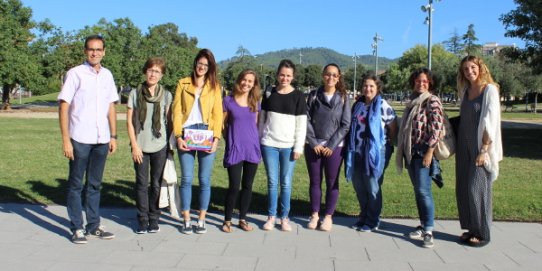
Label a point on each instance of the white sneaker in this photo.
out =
(313, 222)
(269, 224)
(285, 225)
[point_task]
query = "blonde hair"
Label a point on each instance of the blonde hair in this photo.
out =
(484, 75)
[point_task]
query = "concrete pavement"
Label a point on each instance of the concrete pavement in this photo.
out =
(35, 237)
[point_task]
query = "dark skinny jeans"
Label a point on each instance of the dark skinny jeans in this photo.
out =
(147, 195)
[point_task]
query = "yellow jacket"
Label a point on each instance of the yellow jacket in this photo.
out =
(210, 102)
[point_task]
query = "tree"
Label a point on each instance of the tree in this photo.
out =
(525, 22)
(454, 44)
(349, 78)
(18, 65)
(313, 76)
(179, 50)
(242, 52)
(469, 38)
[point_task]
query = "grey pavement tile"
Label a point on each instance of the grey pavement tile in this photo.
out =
(214, 235)
(218, 262)
(180, 245)
(523, 256)
(17, 251)
(271, 264)
(143, 258)
(417, 266)
(33, 265)
(71, 253)
(350, 252)
(66, 266)
(152, 268)
(261, 250)
(342, 265)
(484, 255)
(316, 238)
(415, 254)
(14, 237)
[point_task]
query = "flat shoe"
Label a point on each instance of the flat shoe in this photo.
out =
(226, 227)
(464, 238)
(477, 242)
(243, 224)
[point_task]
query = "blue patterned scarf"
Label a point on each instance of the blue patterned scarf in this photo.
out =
(366, 144)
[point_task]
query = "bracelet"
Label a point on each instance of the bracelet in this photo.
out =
(114, 137)
(482, 150)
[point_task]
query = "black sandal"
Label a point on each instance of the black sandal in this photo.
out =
(477, 242)
(465, 237)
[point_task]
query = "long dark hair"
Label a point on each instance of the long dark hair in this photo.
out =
(254, 94)
(340, 84)
(210, 76)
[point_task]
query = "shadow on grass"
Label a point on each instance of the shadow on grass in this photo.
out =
(522, 143)
(112, 194)
(35, 213)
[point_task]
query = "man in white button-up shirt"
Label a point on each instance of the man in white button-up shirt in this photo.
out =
(89, 133)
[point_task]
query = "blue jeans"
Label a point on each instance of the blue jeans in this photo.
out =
(88, 159)
(369, 190)
(205, 162)
(421, 180)
(279, 165)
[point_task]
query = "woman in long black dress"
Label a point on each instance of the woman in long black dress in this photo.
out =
(478, 151)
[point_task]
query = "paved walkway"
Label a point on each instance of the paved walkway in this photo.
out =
(34, 237)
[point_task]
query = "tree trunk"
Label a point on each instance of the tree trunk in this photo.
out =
(535, 102)
(5, 97)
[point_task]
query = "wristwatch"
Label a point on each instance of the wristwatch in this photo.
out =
(114, 137)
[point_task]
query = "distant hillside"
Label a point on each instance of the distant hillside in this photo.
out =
(320, 55)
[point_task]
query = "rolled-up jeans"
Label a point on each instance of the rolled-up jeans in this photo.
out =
(421, 180)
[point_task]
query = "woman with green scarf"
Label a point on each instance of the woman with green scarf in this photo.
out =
(147, 118)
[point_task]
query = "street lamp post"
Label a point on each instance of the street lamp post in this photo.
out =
(429, 21)
(355, 58)
(376, 39)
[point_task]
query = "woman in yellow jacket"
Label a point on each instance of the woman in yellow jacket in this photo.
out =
(197, 105)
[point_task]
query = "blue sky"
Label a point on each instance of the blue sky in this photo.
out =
(346, 26)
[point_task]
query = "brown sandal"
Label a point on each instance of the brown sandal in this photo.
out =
(226, 227)
(243, 224)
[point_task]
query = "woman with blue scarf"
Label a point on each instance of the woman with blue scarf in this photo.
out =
(372, 129)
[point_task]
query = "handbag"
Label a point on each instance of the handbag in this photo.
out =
(170, 174)
(445, 147)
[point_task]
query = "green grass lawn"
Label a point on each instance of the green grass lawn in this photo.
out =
(32, 169)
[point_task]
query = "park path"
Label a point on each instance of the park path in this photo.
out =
(36, 237)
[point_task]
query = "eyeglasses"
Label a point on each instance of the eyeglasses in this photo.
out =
(202, 65)
(150, 71)
(95, 50)
(334, 75)
(421, 81)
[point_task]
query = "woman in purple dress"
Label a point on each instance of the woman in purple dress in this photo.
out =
(242, 154)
